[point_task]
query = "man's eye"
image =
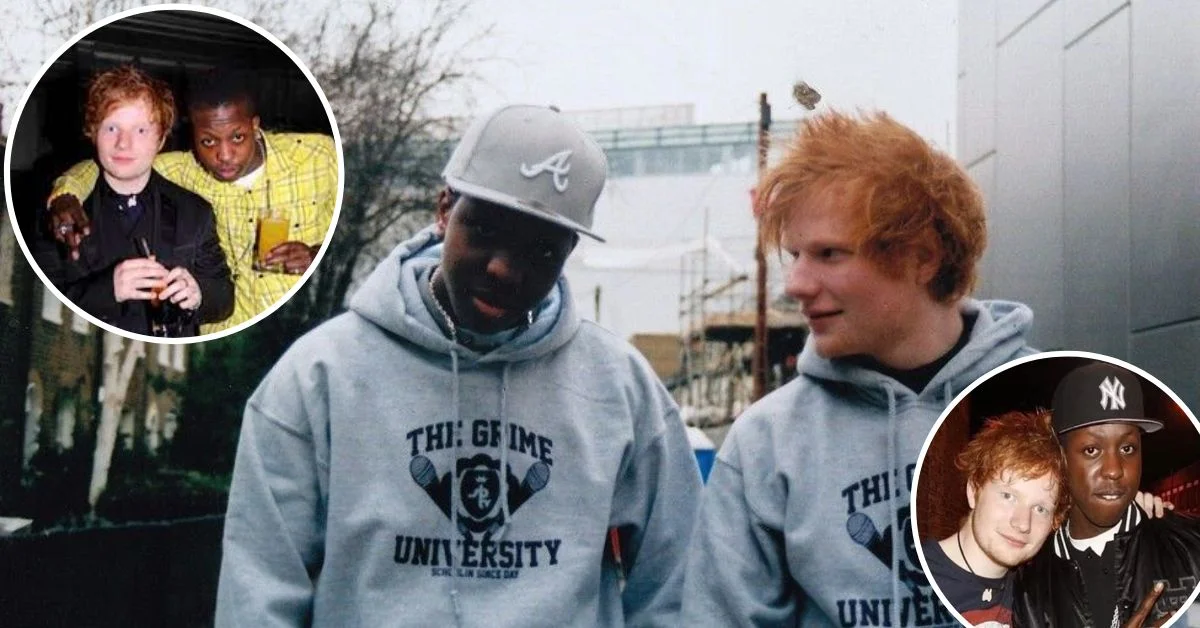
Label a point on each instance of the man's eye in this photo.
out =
(1041, 510)
(207, 143)
(1090, 451)
(1006, 495)
(831, 254)
(238, 137)
(1128, 449)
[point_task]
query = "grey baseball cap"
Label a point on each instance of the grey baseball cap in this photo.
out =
(534, 160)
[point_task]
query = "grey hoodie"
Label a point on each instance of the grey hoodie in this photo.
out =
(798, 518)
(387, 477)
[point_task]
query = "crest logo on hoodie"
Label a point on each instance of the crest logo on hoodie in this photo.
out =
(479, 492)
(479, 489)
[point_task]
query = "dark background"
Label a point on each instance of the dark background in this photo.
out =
(170, 45)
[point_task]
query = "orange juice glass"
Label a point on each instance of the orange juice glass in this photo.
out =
(272, 231)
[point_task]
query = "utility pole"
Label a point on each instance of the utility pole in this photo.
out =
(759, 361)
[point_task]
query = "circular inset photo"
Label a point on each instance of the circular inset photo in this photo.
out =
(1062, 489)
(174, 174)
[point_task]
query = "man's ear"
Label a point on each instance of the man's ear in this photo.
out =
(445, 203)
(255, 123)
(971, 490)
(928, 260)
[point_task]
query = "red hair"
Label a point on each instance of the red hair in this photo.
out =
(1023, 444)
(906, 196)
(124, 84)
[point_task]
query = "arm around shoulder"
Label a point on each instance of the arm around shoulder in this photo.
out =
(212, 273)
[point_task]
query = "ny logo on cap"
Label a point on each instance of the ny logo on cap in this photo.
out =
(1112, 394)
(556, 165)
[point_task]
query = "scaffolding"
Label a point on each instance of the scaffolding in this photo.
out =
(716, 314)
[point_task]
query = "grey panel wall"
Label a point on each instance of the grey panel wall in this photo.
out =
(1166, 162)
(1081, 121)
(977, 81)
(1096, 190)
(1172, 355)
(1027, 224)
(1083, 15)
(983, 173)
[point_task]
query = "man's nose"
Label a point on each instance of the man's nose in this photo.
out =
(1021, 519)
(224, 152)
(123, 139)
(506, 266)
(801, 283)
(1111, 467)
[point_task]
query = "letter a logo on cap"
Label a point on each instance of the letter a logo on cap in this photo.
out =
(1112, 394)
(556, 165)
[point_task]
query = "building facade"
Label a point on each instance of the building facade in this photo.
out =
(1078, 120)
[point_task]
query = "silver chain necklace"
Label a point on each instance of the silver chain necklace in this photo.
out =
(441, 310)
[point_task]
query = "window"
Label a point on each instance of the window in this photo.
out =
(179, 360)
(125, 430)
(65, 430)
(51, 306)
(33, 420)
(8, 256)
(79, 324)
(170, 426)
(152, 428)
(164, 356)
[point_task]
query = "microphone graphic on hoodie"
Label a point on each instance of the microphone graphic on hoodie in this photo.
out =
(863, 531)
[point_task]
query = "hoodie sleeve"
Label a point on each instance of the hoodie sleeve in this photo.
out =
(654, 510)
(274, 528)
(737, 569)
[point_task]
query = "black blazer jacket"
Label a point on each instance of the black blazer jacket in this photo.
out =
(181, 230)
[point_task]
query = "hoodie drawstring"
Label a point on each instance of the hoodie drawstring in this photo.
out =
(454, 487)
(504, 452)
(898, 540)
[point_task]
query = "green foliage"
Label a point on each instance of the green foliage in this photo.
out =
(161, 496)
(54, 489)
(221, 377)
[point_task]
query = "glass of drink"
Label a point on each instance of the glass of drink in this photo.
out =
(164, 316)
(272, 231)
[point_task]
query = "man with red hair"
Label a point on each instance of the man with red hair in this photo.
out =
(805, 519)
(1015, 487)
(153, 242)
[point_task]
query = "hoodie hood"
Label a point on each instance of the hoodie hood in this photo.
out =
(391, 299)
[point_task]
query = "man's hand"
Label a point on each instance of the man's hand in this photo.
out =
(182, 289)
(1153, 504)
(136, 278)
(295, 257)
(68, 223)
(1146, 607)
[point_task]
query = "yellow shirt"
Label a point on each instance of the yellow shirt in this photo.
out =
(299, 182)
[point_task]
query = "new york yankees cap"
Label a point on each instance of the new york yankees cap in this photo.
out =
(534, 160)
(1100, 393)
